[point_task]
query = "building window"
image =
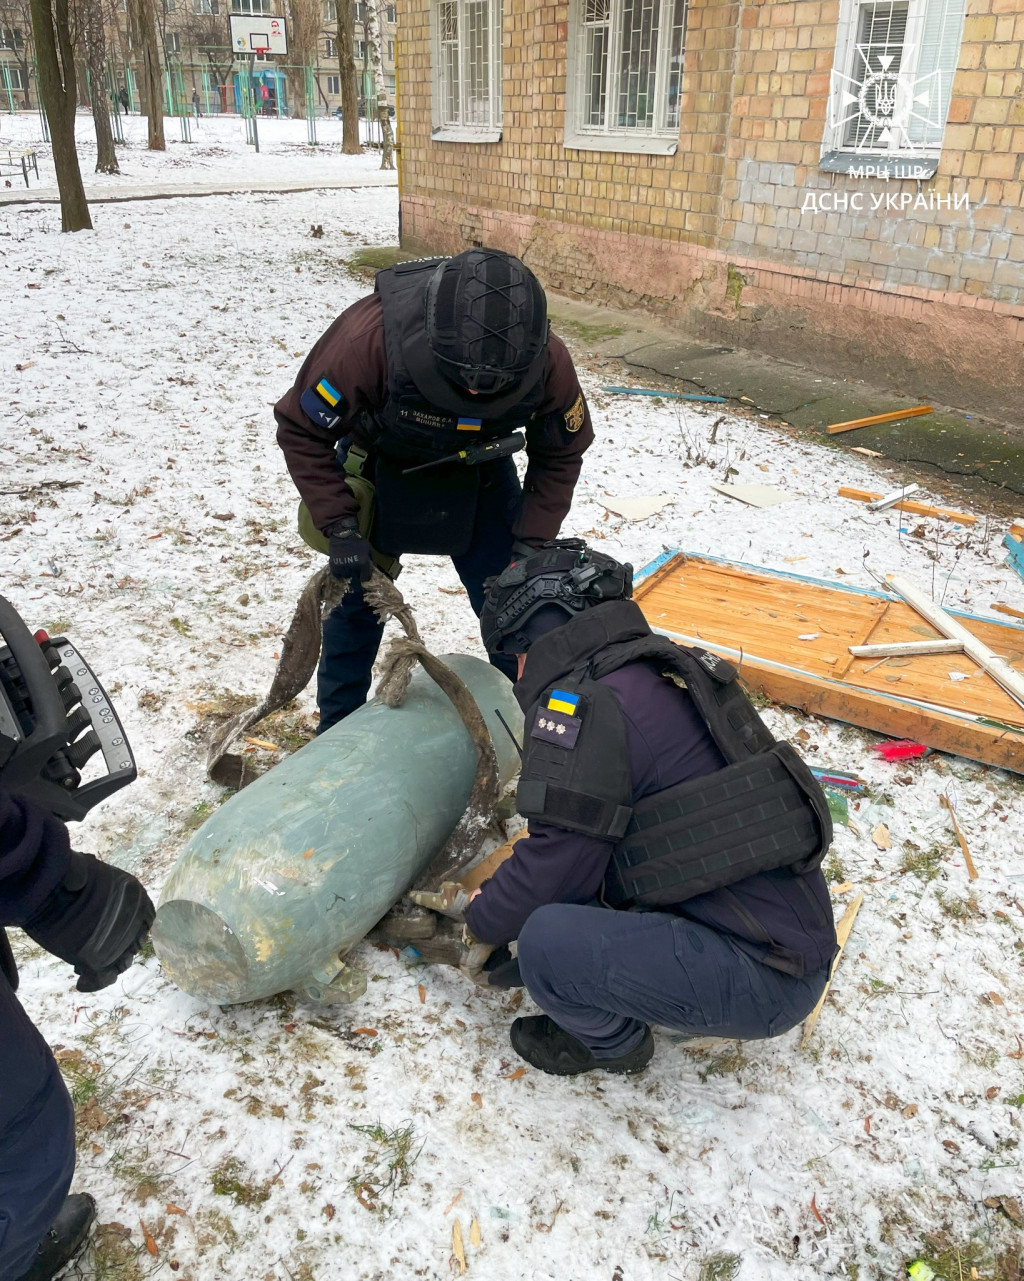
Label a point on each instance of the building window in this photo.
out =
(252, 6)
(172, 42)
(625, 74)
(331, 11)
(11, 38)
(391, 51)
(334, 85)
(169, 6)
(12, 76)
(389, 14)
(892, 77)
(204, 8)
(330, 48)
(360, 11)
(358, 50)
(467, 70)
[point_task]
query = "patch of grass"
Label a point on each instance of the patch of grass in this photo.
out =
(197, 816)
(585, 332)
(721, 1266)
(958, 909)
(388, 1168)
(725, 1063)
(924, 864)
(833, 868)
(229, 1179)
(113, 1254)
(181, 627)
(953, 1259)
(365, 263)
(880, 988)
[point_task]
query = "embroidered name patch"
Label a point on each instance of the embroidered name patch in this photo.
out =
(574, 414)
(556, 727)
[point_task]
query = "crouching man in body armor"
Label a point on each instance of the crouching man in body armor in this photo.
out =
(88, 913)
(652, 788)
(399, 435)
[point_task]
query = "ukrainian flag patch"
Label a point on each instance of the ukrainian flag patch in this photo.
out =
(328, 393)
(561, 700)
(470, 424)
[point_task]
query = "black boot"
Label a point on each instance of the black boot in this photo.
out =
(541, 1042)
(65, 1238)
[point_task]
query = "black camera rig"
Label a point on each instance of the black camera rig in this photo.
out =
(54, 717)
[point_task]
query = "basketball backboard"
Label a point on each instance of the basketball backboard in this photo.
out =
(259, 33)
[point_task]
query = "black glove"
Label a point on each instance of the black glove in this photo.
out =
(95, 920)
(350, 553)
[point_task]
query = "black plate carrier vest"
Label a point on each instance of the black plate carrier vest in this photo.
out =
(763, 811)
(420, 418)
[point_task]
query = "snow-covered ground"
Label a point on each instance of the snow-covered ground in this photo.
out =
(156, 524)
(218, 152)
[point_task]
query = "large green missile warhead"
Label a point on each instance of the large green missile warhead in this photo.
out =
(293, 871)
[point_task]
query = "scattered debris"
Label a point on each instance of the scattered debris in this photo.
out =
(755, 495)
(1015, 546)
(1001, 608)
(1000, 671)
(452, 1203)
(843, 929)
(838, 778)
(872, 420)
(474, 1233)
(906, 649)
(665, 395)
(972, 871)
(458, 1249)
(641, 507)
(915, 509)
(890, 500)
(868, 453)
(900, 749)
(881, 837)
(514, 1076)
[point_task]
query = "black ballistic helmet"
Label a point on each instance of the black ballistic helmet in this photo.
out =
(545, 590)
(487, 321)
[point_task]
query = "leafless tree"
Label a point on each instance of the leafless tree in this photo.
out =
(142, 16)
(55, 58)
(375, 49)
(350, 144)
(92, 40)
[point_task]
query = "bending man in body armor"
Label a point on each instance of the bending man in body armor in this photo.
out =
(90, 914)
(399, 435)
(652, 788)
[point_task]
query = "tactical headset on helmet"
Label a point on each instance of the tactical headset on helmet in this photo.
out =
(487, 321)
(564, 577)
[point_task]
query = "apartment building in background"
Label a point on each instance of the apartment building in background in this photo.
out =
(834, 181)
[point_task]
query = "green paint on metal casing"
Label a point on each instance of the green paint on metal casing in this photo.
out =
(297, 867)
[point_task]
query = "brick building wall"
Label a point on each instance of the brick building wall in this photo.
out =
(717, 235)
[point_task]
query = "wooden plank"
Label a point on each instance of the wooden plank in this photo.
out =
(907, 649)
(912, 508)
(972, 871)
(853, 424)
(842, 934)
(1002, 608)
(976, 650)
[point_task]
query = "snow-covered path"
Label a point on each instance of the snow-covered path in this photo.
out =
(157, 526)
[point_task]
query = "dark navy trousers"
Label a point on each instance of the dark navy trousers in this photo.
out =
(37, 1137)
(352, 633)
(603, 975)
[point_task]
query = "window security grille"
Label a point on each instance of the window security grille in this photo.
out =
(468, 64)
(626, 68)
(894, 68)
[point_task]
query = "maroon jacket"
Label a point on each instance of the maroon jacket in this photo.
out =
(351, 356)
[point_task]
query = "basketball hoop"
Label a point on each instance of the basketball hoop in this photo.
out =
(259, 42)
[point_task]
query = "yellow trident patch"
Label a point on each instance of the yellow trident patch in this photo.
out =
(574, 415)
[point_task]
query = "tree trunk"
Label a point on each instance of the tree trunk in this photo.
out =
(96, 51)
(56, 67)
(375, 44)
(144, 19)
(350, 144)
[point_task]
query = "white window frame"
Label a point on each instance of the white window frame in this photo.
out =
(15, 77)
(448, 125)
(334, 85)
(330, 10)
(330, 47)
(172, 42)
(849, 67)
(661, 138)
